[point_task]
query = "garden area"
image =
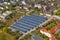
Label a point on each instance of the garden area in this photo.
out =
(51, 23)
(5, 36)
(57, 12)
(36, 11)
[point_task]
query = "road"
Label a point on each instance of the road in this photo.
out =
(57, 31)
(35, 37)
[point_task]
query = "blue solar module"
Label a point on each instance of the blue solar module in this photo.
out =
(37, 18)
(26, 23)
(26, 27)
(30, 19)
(29, 26)
(18, 29)
(21, 26)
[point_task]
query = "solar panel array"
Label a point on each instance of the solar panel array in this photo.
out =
(26, 23)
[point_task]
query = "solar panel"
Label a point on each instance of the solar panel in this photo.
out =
(21, 26)
(18, 26)
(15, 27)
(36, 18)
(26, 23)
(32, 20)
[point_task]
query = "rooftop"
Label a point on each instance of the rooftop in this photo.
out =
(5, 14)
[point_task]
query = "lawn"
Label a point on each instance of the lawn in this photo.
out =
(5, 36)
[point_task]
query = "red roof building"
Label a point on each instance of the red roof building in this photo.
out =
(50, 32)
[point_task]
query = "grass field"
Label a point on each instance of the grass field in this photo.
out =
(5, 36)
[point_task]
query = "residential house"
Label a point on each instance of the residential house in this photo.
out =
(50, 33)
(5, 14)
(38, 5)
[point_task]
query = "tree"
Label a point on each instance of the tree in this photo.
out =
(5, 29)
(58, 36)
